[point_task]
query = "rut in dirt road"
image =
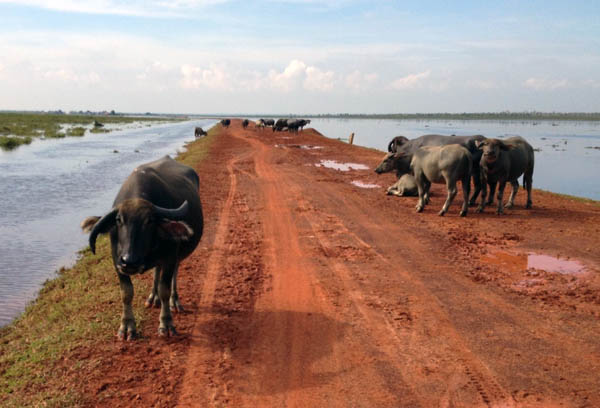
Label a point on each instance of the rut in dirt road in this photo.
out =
(317, 293)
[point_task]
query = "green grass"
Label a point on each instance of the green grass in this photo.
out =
(12, 142)
(79, 308)
(29, 125)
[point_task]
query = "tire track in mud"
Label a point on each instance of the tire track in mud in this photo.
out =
(223, 302)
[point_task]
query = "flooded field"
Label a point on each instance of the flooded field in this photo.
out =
(567, 157)
(48, 187)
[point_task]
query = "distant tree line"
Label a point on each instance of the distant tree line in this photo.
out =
(506, 115)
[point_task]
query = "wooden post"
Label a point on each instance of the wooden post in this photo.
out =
(351, 140)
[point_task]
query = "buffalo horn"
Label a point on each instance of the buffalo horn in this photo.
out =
(102, 226)
(172, 214)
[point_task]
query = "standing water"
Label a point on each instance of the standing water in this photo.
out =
(50, 186)
(567, 157)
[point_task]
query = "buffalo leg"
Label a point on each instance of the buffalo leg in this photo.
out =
(501, 186)
(527, 182)
(166, 327)
(451, 187)
(153, 299)
(490, 200)
(484, 185)
(513, 193)
(466, 186)
(174, 301)
(477, 185)
(127, 330)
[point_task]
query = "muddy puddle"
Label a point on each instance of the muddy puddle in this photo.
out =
(332, 164)
(361, 184)
(521, 262)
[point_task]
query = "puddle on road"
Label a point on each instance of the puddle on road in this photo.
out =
(360, 184)
(332, 164)
(531, 260)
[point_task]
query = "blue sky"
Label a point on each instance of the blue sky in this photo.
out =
(300, 56)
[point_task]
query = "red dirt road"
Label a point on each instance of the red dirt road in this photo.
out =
(307, 290)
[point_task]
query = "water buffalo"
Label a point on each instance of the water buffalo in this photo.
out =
(245, 123)
(434, 164)
(403, 144)
(226, 122)
(280, 125)
(502, 161)
(293, 125)
(198, 132)
(303, 122)
(404, 186)
(155, 222)
(268, 122)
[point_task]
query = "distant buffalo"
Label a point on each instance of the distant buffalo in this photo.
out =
(226, 122)
(245, 123)
(280, 125)
(199, 132)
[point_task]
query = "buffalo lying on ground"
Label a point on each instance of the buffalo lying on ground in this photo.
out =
(245, 123)
(155, 222)
(405, 145)
(503, 161)
(405, 186)
(434, 164)
(198, 132)
(226, 122)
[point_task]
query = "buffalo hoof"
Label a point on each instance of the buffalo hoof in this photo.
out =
(499, 211)
(176, 307)
(529, 204)
(153, 300)
(419, 209)
(480, 209)
(441, 213)
(472, 203)
(463, 213)
(509, 205)
(129, 335)
(167, 331)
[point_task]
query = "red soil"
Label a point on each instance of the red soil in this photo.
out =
(307, 290)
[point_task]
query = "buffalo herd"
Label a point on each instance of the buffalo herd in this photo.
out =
(447, 159)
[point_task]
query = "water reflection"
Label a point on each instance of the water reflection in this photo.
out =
(48, 187)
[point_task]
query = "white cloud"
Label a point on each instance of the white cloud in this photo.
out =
(410, 81)
(545, 84)
(299, 75)
(358, 81)
(67, 75)
(175, 8)
(214, 78)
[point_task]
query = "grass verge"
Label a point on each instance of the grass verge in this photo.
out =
(79, 309)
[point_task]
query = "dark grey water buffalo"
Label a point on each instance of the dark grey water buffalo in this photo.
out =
(199, 132)
(155, 222)
(505, 161)
(303, 122)
(225, 122)
(403, 144)
(434, 164)
(245, 123)
(405, 186)
(293, 125)
(280, 125)
(268, 122)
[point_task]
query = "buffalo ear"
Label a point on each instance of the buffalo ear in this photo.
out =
(480, 143)
(177, 231)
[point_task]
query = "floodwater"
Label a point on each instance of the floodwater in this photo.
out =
(47, 188)
(568, 160)
(332, 164)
